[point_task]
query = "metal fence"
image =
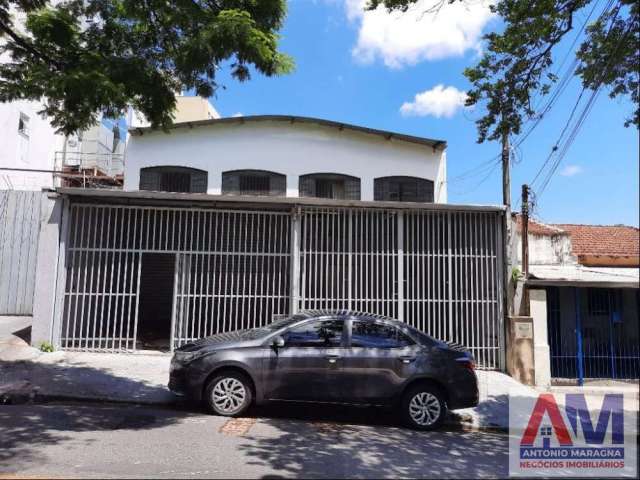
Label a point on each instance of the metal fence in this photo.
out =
(438, 270)
(20, 216)
(593, 341)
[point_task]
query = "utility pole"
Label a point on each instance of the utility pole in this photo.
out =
(525, 230)
(506, 201)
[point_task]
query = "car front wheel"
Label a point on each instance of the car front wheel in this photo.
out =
(424, 407)
(229, 394)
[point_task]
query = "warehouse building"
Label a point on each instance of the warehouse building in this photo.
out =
(226, 224)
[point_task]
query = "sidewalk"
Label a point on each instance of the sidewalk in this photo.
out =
(93, 376)
(79, 375)
(140, 378)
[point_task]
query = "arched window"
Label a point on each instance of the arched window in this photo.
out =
(403, 189)
(329, 185)
(173, 179)
(253, 182)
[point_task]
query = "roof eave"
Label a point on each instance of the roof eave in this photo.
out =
(388, 135)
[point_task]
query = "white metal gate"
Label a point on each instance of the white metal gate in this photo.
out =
(102, 279)
(238, 277)
(438, 270)
(349, 260)
(449, 264)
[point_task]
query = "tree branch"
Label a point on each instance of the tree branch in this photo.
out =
(27, 46)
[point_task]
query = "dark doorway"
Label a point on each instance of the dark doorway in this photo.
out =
(156, 300)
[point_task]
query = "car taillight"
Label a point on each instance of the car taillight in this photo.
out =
(467, 363)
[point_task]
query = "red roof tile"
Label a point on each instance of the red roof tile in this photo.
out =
(537, 228)
(606, 240)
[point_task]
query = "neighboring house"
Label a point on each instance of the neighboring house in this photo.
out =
(34, 157)
(583, 285)
(226, 224)
(287, 156)
(28, 148)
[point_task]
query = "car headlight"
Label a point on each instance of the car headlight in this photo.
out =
(188, 357)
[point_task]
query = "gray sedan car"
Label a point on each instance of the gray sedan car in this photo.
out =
(331, 357)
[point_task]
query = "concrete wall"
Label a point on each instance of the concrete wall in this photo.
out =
(48, 295)
(541, 354)
(545, 249)
(192, 109)
(290, 149)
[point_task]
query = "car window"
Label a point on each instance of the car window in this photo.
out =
(377, 335)
(317, 333)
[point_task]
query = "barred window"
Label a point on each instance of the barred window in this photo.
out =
(403, 189)
(329, 185)
(253, 182)
(173, 179)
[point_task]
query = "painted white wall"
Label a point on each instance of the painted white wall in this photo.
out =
(541, 352)
(34, 151)
(546, 249)
(292, 149)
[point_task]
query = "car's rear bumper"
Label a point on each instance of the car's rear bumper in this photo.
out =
(463, 393)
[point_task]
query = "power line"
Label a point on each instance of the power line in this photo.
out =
(581, 119)
(568, 75)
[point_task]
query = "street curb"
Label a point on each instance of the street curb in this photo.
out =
(54, 397)
(453, 421)
(465, 423)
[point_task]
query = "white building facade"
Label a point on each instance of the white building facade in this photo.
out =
(292, 157)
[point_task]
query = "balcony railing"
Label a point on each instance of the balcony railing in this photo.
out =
(107, 164)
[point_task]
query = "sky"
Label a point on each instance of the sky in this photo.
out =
(403, 73)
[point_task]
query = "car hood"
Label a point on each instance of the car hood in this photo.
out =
(236, 338)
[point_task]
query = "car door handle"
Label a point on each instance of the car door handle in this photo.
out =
(407, 359)
(333, 358)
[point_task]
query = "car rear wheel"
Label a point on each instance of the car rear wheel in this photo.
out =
(229, 394)
(424, 407)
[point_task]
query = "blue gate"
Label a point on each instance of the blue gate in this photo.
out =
(591, 336)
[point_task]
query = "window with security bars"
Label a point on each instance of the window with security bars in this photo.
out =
(253, 182)
(330, 185)
(173, 179)
(403, 189)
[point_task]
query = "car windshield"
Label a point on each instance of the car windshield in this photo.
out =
(274, 326)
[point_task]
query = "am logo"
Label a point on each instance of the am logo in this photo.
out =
(576, 411)
(572, 435)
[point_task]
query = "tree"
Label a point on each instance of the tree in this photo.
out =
(85, 57)
(517, 63)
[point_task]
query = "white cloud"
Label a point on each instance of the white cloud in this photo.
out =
(237, 114)
(438, 102)
(406, 38)
(571, 170)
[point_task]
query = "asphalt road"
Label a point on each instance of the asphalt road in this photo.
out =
(96, 440)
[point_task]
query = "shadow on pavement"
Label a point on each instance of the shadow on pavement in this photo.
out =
(61, 379)
(23, 432)
(338, 442)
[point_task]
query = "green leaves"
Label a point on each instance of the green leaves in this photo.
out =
(517, 63)
(91, 56)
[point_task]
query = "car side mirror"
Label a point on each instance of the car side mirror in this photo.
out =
(277, 343)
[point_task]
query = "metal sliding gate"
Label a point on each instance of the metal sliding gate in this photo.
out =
(236, 278)
(438, 270)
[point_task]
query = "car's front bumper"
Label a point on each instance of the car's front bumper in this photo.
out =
(185, 381)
